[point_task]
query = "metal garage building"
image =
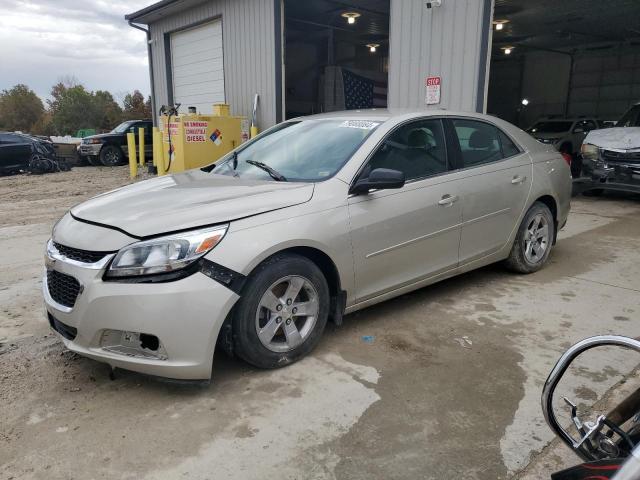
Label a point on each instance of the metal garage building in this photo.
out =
(569, 59)
(307, 57)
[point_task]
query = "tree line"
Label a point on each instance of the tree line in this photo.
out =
(71, 107)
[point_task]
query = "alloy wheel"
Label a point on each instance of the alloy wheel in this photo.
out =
(287, 313)
(536, 239)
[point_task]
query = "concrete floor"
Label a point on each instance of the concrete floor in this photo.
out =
(441, 383)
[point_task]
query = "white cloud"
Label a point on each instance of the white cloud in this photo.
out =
(45, 40)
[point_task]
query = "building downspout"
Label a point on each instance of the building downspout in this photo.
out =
(151, 76)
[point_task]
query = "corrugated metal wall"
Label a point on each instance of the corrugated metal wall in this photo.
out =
(605, 85)
(444, 41)
(248, 31)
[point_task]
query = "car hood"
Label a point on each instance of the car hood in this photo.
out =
(619, 138)
(188, 200)
(102, 135)
(547, 135)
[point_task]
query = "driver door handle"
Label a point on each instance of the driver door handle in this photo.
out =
(448, 200)
(518, 179)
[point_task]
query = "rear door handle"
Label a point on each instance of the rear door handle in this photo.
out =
(448, 200)
(518, 179)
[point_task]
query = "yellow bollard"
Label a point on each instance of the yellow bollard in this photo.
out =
(154, 150)
(254, 131)
(141, 146)
(158, 147)
(133, 161)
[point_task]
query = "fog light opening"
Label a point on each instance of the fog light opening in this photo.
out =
(133, 344)
(150, 342)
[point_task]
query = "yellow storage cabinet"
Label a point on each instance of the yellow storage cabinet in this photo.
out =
(193, 140)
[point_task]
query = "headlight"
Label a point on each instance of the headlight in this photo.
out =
(165, 254)
(90, 141)
(589, 152)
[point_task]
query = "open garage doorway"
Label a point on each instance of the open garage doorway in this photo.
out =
(336, 55)
(568, 66)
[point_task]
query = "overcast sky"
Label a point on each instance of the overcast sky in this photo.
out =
(42, 41)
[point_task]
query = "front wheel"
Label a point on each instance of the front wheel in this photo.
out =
(282, 313)
(534, 240)
(111, 156)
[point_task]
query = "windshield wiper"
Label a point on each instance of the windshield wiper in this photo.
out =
(273, 173)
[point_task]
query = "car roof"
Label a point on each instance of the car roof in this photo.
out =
(384, 114)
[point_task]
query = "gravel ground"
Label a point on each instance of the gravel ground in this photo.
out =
(440, 383)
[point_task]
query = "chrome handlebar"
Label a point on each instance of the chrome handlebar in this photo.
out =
(581, 447)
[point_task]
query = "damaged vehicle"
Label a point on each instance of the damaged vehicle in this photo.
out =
(314, 218)
(26, 153)
(611, 157)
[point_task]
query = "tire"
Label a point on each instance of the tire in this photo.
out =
(111, 156)
(526, 259)
(279, 345)
(94, 161)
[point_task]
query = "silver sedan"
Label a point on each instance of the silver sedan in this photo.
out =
(315, 218)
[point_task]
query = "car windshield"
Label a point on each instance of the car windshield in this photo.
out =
(550, 127)
(631, 118)
(122, 127)
(306, 151)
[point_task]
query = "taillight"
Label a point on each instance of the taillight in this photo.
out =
(567, 158)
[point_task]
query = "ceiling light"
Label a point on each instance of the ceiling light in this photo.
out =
(499, 24)
(373, 47)
(507, 50)
(351, 17)
(525, 101)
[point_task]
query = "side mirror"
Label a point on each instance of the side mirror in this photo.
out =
(379, 179)
(578, 130)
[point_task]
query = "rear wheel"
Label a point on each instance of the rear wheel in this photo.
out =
(111, 156)
(534, 240)
(282, 313)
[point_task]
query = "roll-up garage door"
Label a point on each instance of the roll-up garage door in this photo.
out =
(198, 67)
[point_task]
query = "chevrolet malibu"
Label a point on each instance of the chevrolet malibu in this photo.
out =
(315, 218)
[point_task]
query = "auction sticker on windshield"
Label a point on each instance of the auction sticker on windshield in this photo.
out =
(361, 124)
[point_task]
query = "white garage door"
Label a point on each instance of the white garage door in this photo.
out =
(198, 67)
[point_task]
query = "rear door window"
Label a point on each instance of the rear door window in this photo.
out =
(7, 138)
(479, 142)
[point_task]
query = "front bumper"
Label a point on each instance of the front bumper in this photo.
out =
(609, 175)
(185, 315)
(90, 150)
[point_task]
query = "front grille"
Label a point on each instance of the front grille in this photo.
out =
(63, 288)
(66, 331)
(80, 255)
(629, 157)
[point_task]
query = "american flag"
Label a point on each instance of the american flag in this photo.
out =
(362, 92)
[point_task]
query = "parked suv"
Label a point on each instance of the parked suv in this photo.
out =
(110, 149)
(611, 157)
(566, 134)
